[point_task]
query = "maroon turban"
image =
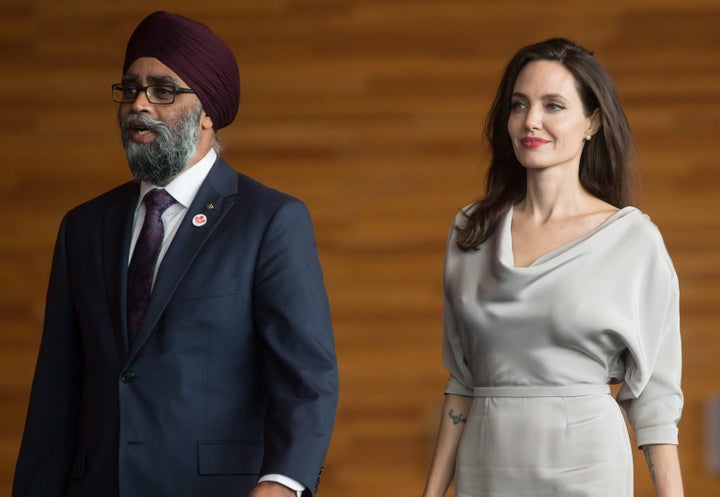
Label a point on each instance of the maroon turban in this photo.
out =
(195, 54)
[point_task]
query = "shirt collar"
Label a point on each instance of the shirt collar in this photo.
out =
(185, 186)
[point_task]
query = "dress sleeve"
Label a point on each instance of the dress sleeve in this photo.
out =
(454, 350)
(651, 395)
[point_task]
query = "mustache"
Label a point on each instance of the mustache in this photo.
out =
(133, 120)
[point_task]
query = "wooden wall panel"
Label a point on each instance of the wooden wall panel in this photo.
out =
(372, 112)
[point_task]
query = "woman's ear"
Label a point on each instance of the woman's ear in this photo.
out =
(595, 122)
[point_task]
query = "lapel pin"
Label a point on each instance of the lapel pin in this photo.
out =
(210, 207)
(199, 220)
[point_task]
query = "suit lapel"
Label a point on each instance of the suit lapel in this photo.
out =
(215, 197)
(117, 230)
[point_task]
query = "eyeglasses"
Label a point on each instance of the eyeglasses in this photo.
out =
(156, 94)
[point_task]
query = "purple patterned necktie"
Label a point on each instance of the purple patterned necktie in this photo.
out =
(142, 264)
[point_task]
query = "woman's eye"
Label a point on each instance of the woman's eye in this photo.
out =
(517, 106)
(555, 107)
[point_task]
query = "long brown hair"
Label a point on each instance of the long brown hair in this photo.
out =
(606, 163)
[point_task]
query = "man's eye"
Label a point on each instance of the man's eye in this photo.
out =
(129, 90)
(163, 91)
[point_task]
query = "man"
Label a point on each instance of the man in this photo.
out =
(187, 347)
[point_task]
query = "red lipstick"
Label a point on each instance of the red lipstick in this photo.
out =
(532, 142)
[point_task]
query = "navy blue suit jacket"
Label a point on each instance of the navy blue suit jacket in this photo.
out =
(233, 374)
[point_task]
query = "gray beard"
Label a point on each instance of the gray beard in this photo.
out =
(166, 157)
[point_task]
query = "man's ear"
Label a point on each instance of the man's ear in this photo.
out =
(206, 122)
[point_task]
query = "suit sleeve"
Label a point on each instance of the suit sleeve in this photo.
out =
(300, 370)
(48, 445)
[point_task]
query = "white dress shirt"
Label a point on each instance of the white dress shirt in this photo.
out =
(183, 189)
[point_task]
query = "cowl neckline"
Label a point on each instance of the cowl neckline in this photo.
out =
(557, 255)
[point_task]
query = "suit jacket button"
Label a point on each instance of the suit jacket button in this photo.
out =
(127, 377)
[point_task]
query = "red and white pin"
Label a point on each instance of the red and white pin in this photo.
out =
(199, 220)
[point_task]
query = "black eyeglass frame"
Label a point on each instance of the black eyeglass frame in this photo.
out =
(138, 89)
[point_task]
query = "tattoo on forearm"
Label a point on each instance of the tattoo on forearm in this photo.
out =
(651, 465)
(457, 418)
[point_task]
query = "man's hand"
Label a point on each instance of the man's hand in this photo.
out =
(271, 489)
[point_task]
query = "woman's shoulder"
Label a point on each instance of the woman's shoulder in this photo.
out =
(465, 212)
(640, 232)
(639, 223)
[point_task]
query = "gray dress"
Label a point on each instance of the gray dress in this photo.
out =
(537, 348)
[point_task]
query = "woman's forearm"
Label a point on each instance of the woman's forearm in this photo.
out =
(455, 412)
(664, 466)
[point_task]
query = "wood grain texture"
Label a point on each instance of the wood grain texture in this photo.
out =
(372, 112)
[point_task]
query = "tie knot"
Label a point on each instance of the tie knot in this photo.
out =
(157, 200)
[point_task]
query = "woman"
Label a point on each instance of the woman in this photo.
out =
(555, 288)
